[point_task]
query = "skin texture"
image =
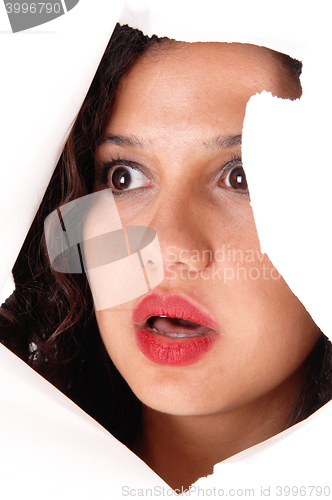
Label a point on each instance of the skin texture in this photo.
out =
(178, 101)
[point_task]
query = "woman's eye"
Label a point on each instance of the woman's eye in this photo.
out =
(124, 178)
(236, 179)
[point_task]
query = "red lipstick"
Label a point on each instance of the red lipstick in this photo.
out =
(173, 330)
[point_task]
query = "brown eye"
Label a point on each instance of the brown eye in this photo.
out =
(236, 179)
(120, 178)
(124, 178)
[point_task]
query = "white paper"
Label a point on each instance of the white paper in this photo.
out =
(51, 449)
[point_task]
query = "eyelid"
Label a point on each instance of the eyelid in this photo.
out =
(108, 165)
(236, 160)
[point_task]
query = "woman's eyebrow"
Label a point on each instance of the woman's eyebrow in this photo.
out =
(223, 142)
(217, 142)
(122, 140)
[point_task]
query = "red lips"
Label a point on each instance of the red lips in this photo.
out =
(166, 350)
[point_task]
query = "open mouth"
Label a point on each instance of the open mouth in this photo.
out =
(172, 329)
(175, 327)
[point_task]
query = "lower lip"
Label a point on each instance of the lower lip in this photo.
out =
(173, 352)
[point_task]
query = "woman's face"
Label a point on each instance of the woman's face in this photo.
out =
(173, 143)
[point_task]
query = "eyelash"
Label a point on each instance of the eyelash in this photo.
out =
(103, 174)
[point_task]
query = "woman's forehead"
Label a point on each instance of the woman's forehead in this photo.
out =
(180, 86)
(212, 64)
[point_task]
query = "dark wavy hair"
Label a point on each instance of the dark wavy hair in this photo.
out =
(49, 320)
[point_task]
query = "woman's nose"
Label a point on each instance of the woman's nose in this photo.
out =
(182, 227)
